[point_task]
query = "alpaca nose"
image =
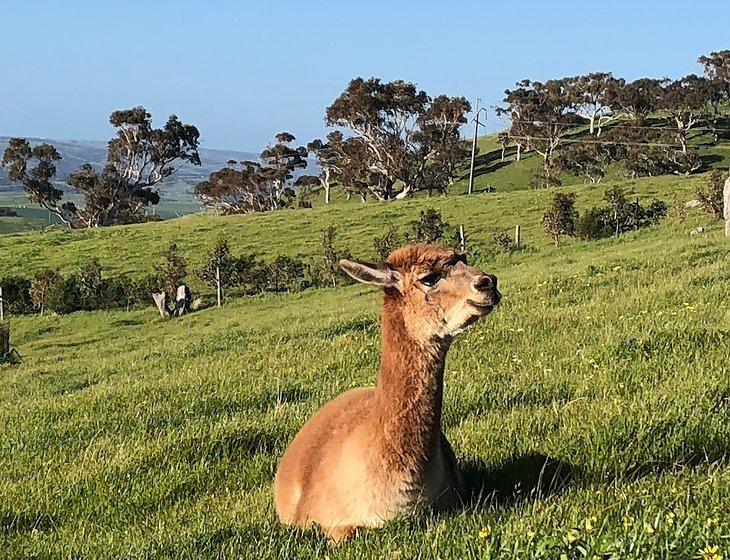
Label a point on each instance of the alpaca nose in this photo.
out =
(485, 283)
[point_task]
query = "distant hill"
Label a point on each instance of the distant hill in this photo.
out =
(78, 152)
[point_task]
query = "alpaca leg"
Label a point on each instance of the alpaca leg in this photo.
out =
(454, 490)
(341, 533)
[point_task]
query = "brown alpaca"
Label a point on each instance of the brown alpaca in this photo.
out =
(375, 453)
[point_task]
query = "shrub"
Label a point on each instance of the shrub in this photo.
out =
(250, 273)
(710, 194)
(16, 294)
(656, 212)
(429, 228)
(560, 216)
(287, 273)
(618, 217)
(90, 285)
(64, 296)
(140, 290)
(42, 287)
(504, 243)
(543, 179)
(171, 271)
(618, 212)
(4, 340)
(592, 225)
(327, 272)
(388, 243)
(220, 262)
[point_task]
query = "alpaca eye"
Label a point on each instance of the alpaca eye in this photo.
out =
(431, 280)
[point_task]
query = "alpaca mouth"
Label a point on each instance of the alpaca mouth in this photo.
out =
(485, 307)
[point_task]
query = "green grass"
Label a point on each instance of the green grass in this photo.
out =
(490, 174)
(135, 249)
(33, 217)
(124, 435)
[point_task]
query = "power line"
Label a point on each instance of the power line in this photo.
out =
(606, 126)
(579, 141)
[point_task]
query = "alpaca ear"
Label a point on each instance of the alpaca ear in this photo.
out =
(368, 273)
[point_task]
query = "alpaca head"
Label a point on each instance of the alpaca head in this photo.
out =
(433, 288)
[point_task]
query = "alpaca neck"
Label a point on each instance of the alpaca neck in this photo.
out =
(409, 393)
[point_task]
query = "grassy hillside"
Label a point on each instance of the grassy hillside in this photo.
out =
(490, 173)
(595, 399)
(135, 249)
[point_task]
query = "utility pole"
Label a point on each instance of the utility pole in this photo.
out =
(474, 144)
(474, 149)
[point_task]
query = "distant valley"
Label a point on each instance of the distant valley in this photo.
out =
(78, 152)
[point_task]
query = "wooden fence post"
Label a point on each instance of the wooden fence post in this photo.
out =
(517, 235)
(726, 206)
(218, 284)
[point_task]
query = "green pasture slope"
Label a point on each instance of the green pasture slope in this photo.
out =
(592, 406)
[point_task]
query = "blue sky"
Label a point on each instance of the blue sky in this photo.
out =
(243, 71)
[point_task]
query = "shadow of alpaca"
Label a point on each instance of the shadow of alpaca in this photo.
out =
(516, 479)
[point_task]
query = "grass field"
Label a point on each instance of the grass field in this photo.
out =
(592, 407)
(33, 217)
(135, 249)
(490, 174)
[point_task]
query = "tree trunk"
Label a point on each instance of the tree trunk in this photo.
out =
(160, 303)
(326, 184)
(407, 191)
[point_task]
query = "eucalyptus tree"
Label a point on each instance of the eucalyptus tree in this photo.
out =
(636, 99)
(409, 138)
(542, 114)
(717, 68)
(592, 98)
(139, 157)
(34, 167)
(685, 103)
(256, 186)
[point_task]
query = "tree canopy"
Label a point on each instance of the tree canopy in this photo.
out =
(256, 186)
(138, 158)
(400, 135)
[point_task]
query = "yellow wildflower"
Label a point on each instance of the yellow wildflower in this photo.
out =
(710, 553)
(648, 528)
(530, 534)
(485, 533)
(670, 518)
(629, 522)
(573, 535)
(712, 521)
(591, 523)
